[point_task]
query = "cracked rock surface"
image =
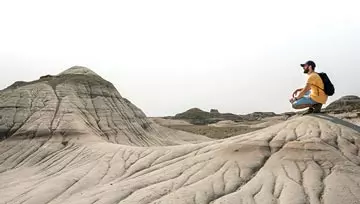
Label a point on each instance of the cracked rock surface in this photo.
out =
(78, 105)
(61, 150)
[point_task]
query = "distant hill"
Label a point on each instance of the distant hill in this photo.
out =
(258, 115)
(197, 116)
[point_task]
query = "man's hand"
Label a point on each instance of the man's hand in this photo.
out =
(292, 100)
(304, 90)
(296, 91)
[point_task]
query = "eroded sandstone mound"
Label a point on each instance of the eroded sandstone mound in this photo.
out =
(79, 103)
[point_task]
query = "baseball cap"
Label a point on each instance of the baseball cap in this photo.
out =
(311, 63)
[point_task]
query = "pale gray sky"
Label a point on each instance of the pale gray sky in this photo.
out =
(169, 56)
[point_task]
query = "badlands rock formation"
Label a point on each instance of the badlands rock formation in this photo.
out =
(79, 105)
(59, 154)
(197, 116)
(344, 104)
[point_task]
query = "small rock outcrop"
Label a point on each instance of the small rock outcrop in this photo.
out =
(344, 104)
(197, 116)
(258, 115)
(214, 112)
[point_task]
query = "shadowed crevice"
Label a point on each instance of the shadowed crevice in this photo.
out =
(337, 121)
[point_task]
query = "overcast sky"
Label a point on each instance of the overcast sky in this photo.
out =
(169, 56)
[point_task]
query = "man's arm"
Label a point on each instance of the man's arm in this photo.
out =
(295, 92)
(304, 90)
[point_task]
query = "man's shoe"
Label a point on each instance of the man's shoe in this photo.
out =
(317, 108)
(309, 111)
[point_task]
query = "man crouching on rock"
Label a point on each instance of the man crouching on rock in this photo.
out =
(312, 96)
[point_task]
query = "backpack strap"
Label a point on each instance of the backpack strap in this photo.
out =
(318, 86)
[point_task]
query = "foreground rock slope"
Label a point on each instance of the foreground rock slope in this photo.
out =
(311, 159)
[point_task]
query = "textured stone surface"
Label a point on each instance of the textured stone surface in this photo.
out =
(258, 115)
(197, 116)
(79, 70)
(303, 160)
(312, 159)
(344, 104)
(79, 105)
